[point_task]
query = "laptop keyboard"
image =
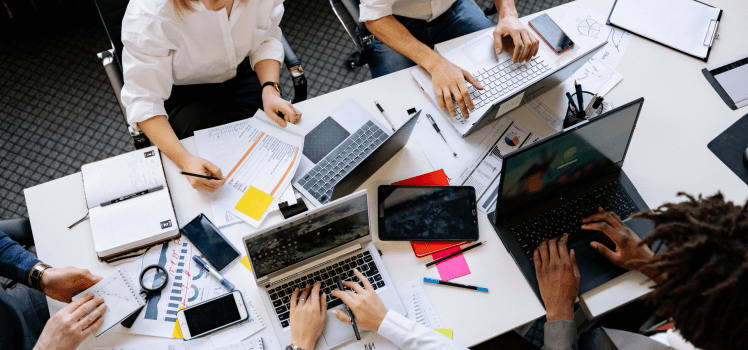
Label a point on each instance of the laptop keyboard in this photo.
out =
(319, 181)
(281, 295)
(567, 217)
(502, 79)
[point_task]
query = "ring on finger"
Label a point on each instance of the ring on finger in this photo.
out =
(302, 299)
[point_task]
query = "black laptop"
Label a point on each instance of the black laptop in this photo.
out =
(547, 188)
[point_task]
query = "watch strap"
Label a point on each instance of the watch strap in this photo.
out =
(280, 91)
(35, 278)
(293, 347)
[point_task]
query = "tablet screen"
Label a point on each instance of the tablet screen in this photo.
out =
(427, 213)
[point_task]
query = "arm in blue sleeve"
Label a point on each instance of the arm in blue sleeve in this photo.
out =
(15, 262)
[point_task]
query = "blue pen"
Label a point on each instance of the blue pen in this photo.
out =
(204, 265)
(435, 281)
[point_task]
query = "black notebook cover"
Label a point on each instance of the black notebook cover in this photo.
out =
(730, 145)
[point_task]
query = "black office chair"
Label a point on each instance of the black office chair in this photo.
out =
(113, 11)
(18, 230)
(348, 13)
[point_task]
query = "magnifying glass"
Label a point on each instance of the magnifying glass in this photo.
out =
(153, 279)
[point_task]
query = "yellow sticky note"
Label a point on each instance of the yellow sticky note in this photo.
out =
(177, 330)
(254, 203)
(245, 262)
(445, 331)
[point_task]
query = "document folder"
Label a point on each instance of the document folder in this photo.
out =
(688, 26)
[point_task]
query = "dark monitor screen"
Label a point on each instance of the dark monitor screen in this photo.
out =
(567, 160)
(312, 235)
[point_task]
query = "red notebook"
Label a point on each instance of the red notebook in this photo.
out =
(434, 178)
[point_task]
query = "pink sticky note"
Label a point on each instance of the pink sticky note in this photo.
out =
(453, 267)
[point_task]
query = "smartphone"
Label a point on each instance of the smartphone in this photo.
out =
(209, 240)
(427, 213)
(551, 33)
(212, 315)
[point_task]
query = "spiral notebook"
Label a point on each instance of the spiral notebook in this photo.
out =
(121, 295)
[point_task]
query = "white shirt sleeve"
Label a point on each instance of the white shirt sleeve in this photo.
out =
(375, 9)
(407, 334)
(146, 69)
(271, 47)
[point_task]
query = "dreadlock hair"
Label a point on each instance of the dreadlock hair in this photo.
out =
(705, 265)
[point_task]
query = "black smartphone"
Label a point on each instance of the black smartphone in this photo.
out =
(210, 242)
(427, 213)
(551, 33)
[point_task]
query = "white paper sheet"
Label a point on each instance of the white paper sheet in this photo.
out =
(175, 346)
(249, 344)
(587, 29)
(242, 331)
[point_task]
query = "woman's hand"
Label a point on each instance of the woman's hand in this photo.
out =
(629, 254)
(365, 304)
(278, 109)
(308, 315)
(197, 165)
(62, 284)
(72, 324)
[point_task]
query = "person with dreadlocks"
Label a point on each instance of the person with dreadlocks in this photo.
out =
(701, 274)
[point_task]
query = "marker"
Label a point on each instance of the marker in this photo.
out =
(571, 102)
(435, 281)
(200, 176)
(580, 98)
(350, 313)
(205, 266)
(436, 127)
(455, 253)
(133, 195)
(385, 117)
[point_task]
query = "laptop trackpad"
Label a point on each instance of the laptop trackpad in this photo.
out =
(336, 332)
(595, 268)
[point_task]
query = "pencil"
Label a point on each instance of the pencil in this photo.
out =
(456, 253)
(200, 176)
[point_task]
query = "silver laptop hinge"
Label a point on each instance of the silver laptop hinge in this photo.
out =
(315, 267)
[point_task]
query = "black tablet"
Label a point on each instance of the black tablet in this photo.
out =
(427, 213)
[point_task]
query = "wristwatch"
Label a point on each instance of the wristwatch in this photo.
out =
(293, 347)
(35, 278)
(275, 85)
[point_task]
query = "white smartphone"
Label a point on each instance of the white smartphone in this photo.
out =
(212, 315)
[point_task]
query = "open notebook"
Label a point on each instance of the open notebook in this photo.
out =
(134, 223)
(121, 296)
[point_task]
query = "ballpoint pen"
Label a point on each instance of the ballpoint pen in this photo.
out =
(200, 176)
(452, 284)
(385, 115)
(580, 98)
(205, 266)
(133, 195)
(436, 127)
(571, 103)
(350, 313)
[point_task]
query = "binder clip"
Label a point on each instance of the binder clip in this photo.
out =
(292, 210)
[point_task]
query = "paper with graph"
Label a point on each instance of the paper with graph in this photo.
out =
(121, 296)
(268, 161)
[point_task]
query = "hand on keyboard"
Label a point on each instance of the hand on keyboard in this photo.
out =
(558, 278)
(629, 254)
(365, 304)
(449, 84)
(308, 314)
(509, 26)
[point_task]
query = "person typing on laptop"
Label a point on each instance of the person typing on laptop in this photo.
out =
(700, 274)
(407, 30)
(308, 314)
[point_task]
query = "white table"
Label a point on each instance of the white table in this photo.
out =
(668, 154)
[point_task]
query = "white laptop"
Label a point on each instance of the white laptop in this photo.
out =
(506, 85)
(319, 245)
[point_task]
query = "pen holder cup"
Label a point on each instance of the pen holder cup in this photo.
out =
(571, 118)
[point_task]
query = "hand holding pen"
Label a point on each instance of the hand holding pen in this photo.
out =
(197, 165)
(364, 303)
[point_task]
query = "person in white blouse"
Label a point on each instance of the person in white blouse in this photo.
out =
(309, 312)
(194, 64)
(407, 30)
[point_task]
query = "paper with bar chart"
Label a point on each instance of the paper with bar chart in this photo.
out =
(270, 157)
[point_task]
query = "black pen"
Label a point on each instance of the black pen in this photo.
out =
(571, 103)
(385, 115)
(350, 313)
(436, 127)
(452, 284)
(200, 176)
(136, 194)
(580, 98)
(455, 253)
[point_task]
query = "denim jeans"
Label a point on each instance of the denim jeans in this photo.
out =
(462, 18)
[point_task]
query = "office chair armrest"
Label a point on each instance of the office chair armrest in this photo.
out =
(297, 72)
(353, 9)
(18, 230)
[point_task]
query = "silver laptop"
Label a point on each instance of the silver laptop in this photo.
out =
(507, 85)
(319, 245)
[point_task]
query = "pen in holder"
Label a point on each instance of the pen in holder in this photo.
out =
(571, 117)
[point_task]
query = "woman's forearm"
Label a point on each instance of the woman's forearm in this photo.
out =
(159, 131)
(268, 70)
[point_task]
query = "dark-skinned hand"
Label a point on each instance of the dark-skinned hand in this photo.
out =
(558, 278)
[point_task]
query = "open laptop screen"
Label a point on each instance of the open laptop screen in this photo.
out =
(313, 235)
(568, 159)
